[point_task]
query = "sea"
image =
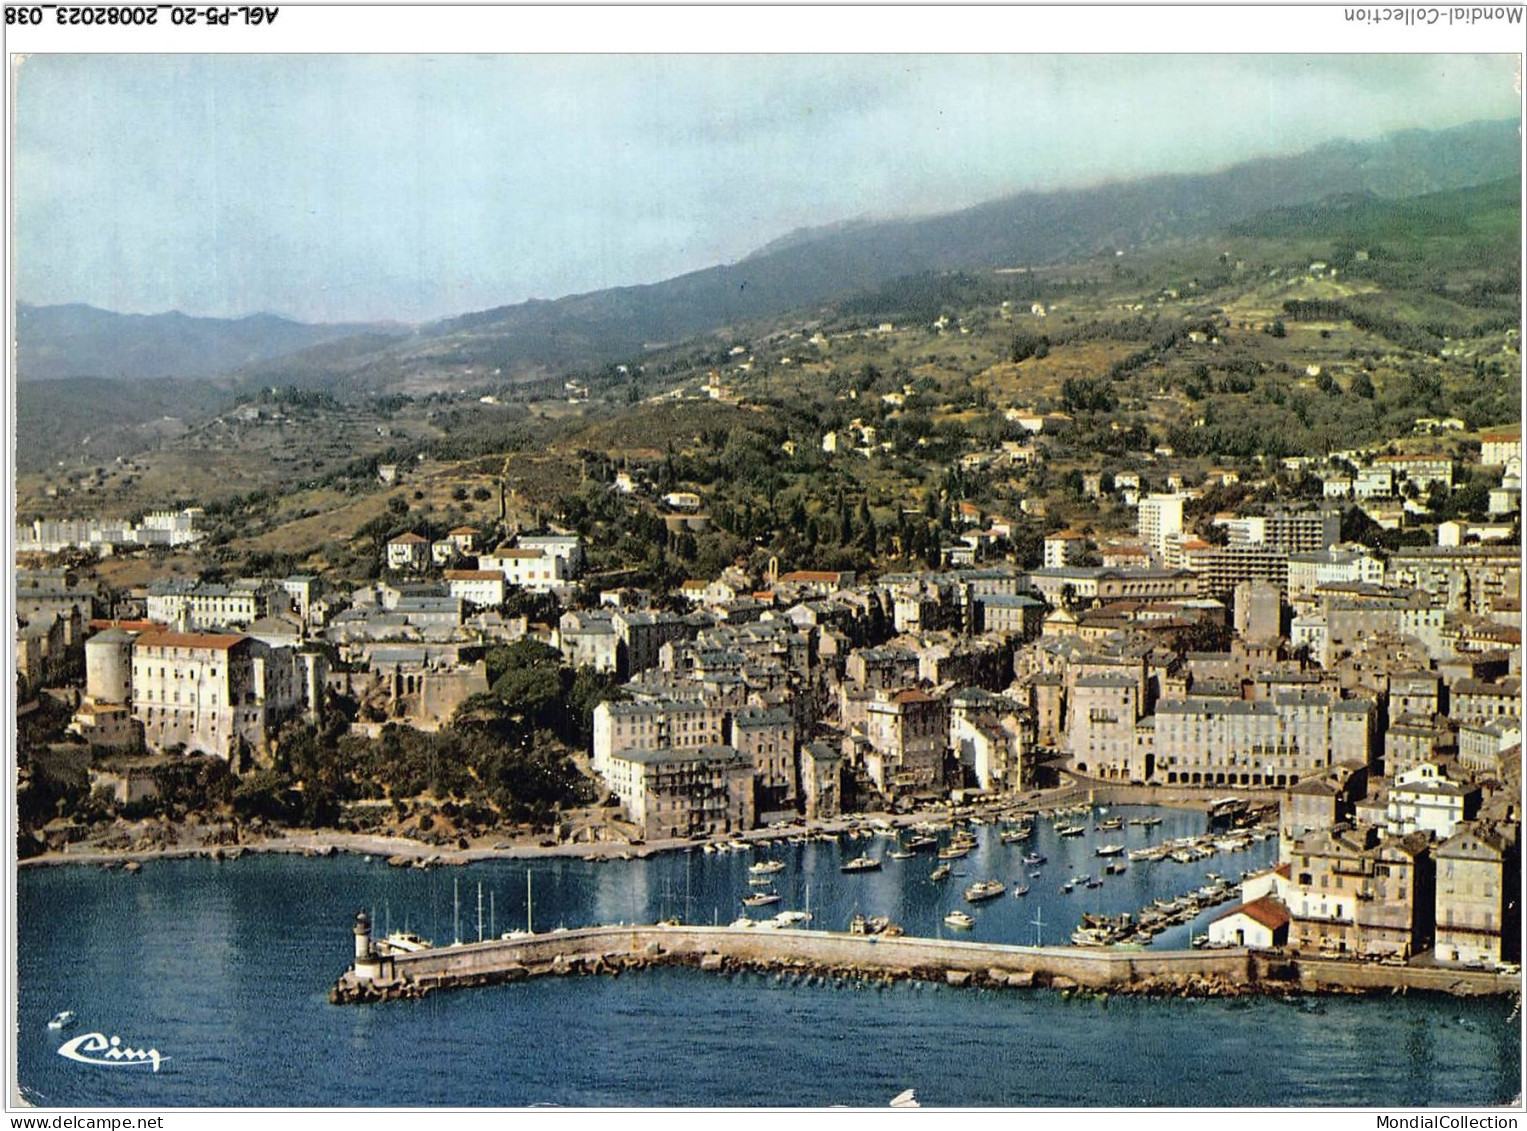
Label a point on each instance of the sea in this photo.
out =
(222, 969)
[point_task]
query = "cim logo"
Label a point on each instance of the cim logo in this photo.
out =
(96, 1048)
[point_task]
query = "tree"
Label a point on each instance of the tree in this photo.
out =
(1362, 386)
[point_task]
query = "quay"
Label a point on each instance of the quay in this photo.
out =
(610, 950)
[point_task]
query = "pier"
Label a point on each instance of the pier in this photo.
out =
(612, 950)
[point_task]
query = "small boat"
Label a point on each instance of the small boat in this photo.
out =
(918, 843)
(1094, 882)
(792, 918)
(62, 1020)
(1109, 849)
(1069, 830)
(960, 920)
(1022, 889)
(984, 889)
(1034, 858)
(939, 873)
(1068, 887)
(1016, 836)
(861, 864)
(1034, 875)
(901, 854)
(954, 852)
(760, 881)
(1115, 869)
(407, 942)
(766, 867)
(744, 921)
(1111, 824)
(761, 899)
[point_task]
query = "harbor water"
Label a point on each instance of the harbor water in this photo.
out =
(224, 968)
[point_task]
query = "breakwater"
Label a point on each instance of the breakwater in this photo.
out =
(613, 950)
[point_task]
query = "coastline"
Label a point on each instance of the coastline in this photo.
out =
(328, 842)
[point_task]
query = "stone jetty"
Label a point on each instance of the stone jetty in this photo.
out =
(833, 956)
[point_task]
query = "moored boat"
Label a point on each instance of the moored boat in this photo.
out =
(1109, 849)
(984, 889)
(939, 873)
(861, 864)
(960, 920)
(407, 942)
(62, 1019)
(766, 867)
(761, 899)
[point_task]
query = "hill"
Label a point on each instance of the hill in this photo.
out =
(536, 339)
(56, 342)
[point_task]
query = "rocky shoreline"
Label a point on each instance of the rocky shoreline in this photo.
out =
(803, 972)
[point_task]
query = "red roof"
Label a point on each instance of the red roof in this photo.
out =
(913, 695)
(473, 575)
(1266, 911)
(1499, 437)
(813, 575)
(218, 642)
(466, 530)
(409, 539)
(128, 625)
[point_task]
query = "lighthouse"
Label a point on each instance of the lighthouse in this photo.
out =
(363, 949)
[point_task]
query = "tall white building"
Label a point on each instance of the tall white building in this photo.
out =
(1159, 519)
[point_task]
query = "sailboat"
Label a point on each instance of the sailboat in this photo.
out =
(529, 917)
(796, 918)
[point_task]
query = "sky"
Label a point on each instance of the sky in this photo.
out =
(407, 188)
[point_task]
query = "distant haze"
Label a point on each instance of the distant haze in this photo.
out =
(334, 188)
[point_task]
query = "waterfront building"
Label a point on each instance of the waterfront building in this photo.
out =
(654, 724)
(1260, 923)
(1478, 912)
(1277, 742)
(1103, 709)
(907, 732)
(993, 737)
(767, 739)
(1351, 892)
(821, 781)
(692, 791)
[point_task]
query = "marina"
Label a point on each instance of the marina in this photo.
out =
(215, 963)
